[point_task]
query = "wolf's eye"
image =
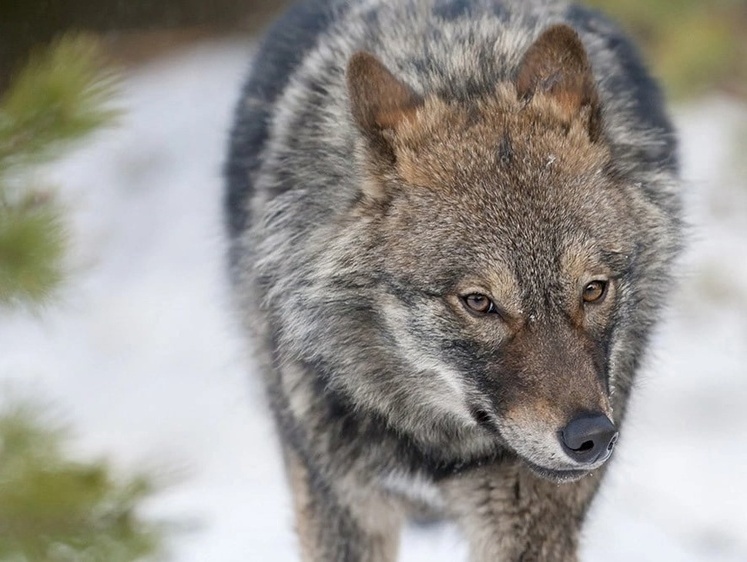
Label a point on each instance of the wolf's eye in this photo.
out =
(479, 303)
(595, 291)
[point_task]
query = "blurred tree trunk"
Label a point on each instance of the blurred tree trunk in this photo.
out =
(30, 23)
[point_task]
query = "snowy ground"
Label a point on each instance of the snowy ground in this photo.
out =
(143, 356)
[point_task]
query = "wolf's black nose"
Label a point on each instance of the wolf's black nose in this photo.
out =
(589, 437)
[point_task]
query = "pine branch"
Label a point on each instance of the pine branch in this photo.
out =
(60, 98)
(55, 508)
(33, 240)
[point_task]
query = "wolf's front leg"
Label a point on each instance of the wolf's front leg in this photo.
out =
(339, 523)
(511, 515)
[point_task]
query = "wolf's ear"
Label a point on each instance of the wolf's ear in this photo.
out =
(378, 100)
(557, 65)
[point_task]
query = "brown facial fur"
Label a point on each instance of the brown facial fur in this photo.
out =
(558, 374)
(508, 154)
(448, 142)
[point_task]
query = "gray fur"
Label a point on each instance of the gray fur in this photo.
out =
(385, 398)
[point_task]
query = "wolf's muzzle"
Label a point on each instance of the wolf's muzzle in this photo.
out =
(589, 438)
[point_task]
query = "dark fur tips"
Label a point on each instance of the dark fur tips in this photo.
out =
(557, 65)
(378, 99)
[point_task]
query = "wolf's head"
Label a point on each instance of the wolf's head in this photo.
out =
(505, 246)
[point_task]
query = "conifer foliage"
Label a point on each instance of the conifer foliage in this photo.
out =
(54, 508)
(62, 96)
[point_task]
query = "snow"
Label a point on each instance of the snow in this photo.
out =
(144, 358)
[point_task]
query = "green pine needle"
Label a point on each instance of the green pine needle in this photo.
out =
(32, 246)
(61, 96)
(53, 508)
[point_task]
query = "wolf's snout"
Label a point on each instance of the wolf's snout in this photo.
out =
(588, 438)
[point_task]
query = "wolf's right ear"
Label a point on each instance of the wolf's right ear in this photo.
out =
(557, 65)
(379, 101)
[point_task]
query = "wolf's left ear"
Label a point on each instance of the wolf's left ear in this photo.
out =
(557, 65)
(379, 101)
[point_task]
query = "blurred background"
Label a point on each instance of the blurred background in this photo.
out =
(131, 427)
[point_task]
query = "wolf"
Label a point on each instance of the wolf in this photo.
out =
(452, 227)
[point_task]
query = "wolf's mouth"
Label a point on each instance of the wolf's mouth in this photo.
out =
(560, 476)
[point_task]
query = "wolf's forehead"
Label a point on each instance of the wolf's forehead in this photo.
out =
(535, 247)
(457, 144)
(539, 220)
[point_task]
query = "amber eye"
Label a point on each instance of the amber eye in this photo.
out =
(595, 291)
(479, 303)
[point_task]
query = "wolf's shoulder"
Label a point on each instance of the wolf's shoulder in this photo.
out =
(283, 48)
